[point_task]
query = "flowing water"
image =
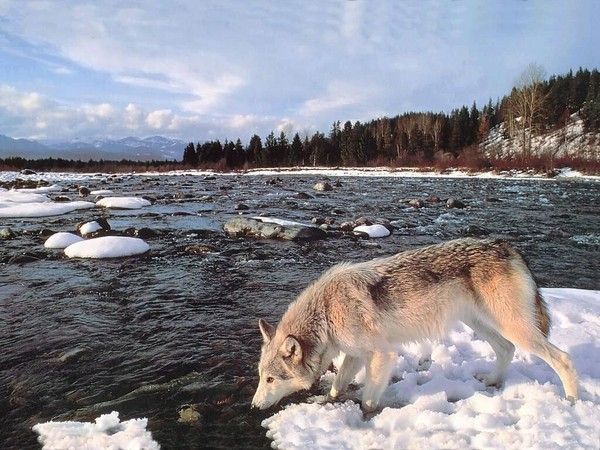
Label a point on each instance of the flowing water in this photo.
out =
(147, 335)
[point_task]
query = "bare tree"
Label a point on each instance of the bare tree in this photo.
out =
(526, 106)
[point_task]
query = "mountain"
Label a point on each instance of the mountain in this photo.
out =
(133, 148)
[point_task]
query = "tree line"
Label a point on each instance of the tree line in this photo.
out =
(535, 105)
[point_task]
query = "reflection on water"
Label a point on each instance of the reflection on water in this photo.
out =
(149, 335)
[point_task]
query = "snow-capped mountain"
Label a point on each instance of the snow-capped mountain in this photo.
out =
(133, 148)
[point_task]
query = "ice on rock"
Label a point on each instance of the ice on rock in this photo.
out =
(441, 404)
(107, 247)
(123, 202)
(107, 432)
(62, 240)
(374, 231)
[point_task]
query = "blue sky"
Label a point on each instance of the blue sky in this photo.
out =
(215, 69)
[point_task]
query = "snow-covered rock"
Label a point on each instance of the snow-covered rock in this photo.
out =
(374, 231)
(437, 403)
(107, 432)
(101, 192)
(41, 209)
(107, 247)
(13, 196)
(62, 240)
(123, 202)
(89, 227)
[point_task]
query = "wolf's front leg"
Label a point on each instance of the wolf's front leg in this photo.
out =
(379, 370)
(348, 370)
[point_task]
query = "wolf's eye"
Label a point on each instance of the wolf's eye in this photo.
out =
(270, 379)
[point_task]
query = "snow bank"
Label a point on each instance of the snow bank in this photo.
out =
(374, 231)
(438, 404)
(41, 209)
(107, 432)
(123, 202)
(62, 240)
(107, 247)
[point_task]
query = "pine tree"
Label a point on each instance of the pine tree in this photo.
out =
(190, 157)
(296, 152)
(255, 150)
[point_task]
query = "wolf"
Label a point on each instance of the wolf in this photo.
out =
(367, 309)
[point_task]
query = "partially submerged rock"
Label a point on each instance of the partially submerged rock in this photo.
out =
(454, 203)
(323, 186)
(6, 233)
(262, 228)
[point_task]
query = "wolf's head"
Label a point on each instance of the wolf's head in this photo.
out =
(282, 367)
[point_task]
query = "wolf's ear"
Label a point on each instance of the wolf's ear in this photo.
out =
(267, 330)
(291, 349)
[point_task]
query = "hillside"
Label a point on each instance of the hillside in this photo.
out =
(570, 141)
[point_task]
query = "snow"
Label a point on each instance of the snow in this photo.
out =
(107, 432)
(62, 240)
(41, 189)
(41, 209)
(282, 222)
(123, 202)
(21, 197)
(89, 227)
(435, 402)
(107, 247)
(374, 231)
(101, 192)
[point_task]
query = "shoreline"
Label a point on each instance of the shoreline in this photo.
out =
(376, 172)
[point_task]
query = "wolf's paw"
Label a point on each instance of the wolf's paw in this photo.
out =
(488, 379)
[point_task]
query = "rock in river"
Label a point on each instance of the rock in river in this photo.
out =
(260, 228)
(322, 186)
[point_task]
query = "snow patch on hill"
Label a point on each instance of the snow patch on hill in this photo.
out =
(569, 141)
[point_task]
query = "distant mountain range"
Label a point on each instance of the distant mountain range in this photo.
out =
(132, 148)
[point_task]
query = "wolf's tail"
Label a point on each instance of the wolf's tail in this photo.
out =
(541, 314)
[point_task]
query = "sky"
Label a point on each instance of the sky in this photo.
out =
(199, 70)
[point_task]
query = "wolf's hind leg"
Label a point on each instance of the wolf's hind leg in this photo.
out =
(535, 342)
(348, 370)
(379, 370)
(503, 348)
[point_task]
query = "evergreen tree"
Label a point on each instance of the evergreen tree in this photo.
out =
(270, 150)
(190, 157)
(296, 152)
(255, 150)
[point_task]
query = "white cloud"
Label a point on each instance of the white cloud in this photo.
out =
(159, 119)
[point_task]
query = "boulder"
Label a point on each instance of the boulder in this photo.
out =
(28, 172)
(241, 226)
(454, 203)
(241, 207)
(416, 203)
(323, 186)
(7, 233)
(83, 191)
